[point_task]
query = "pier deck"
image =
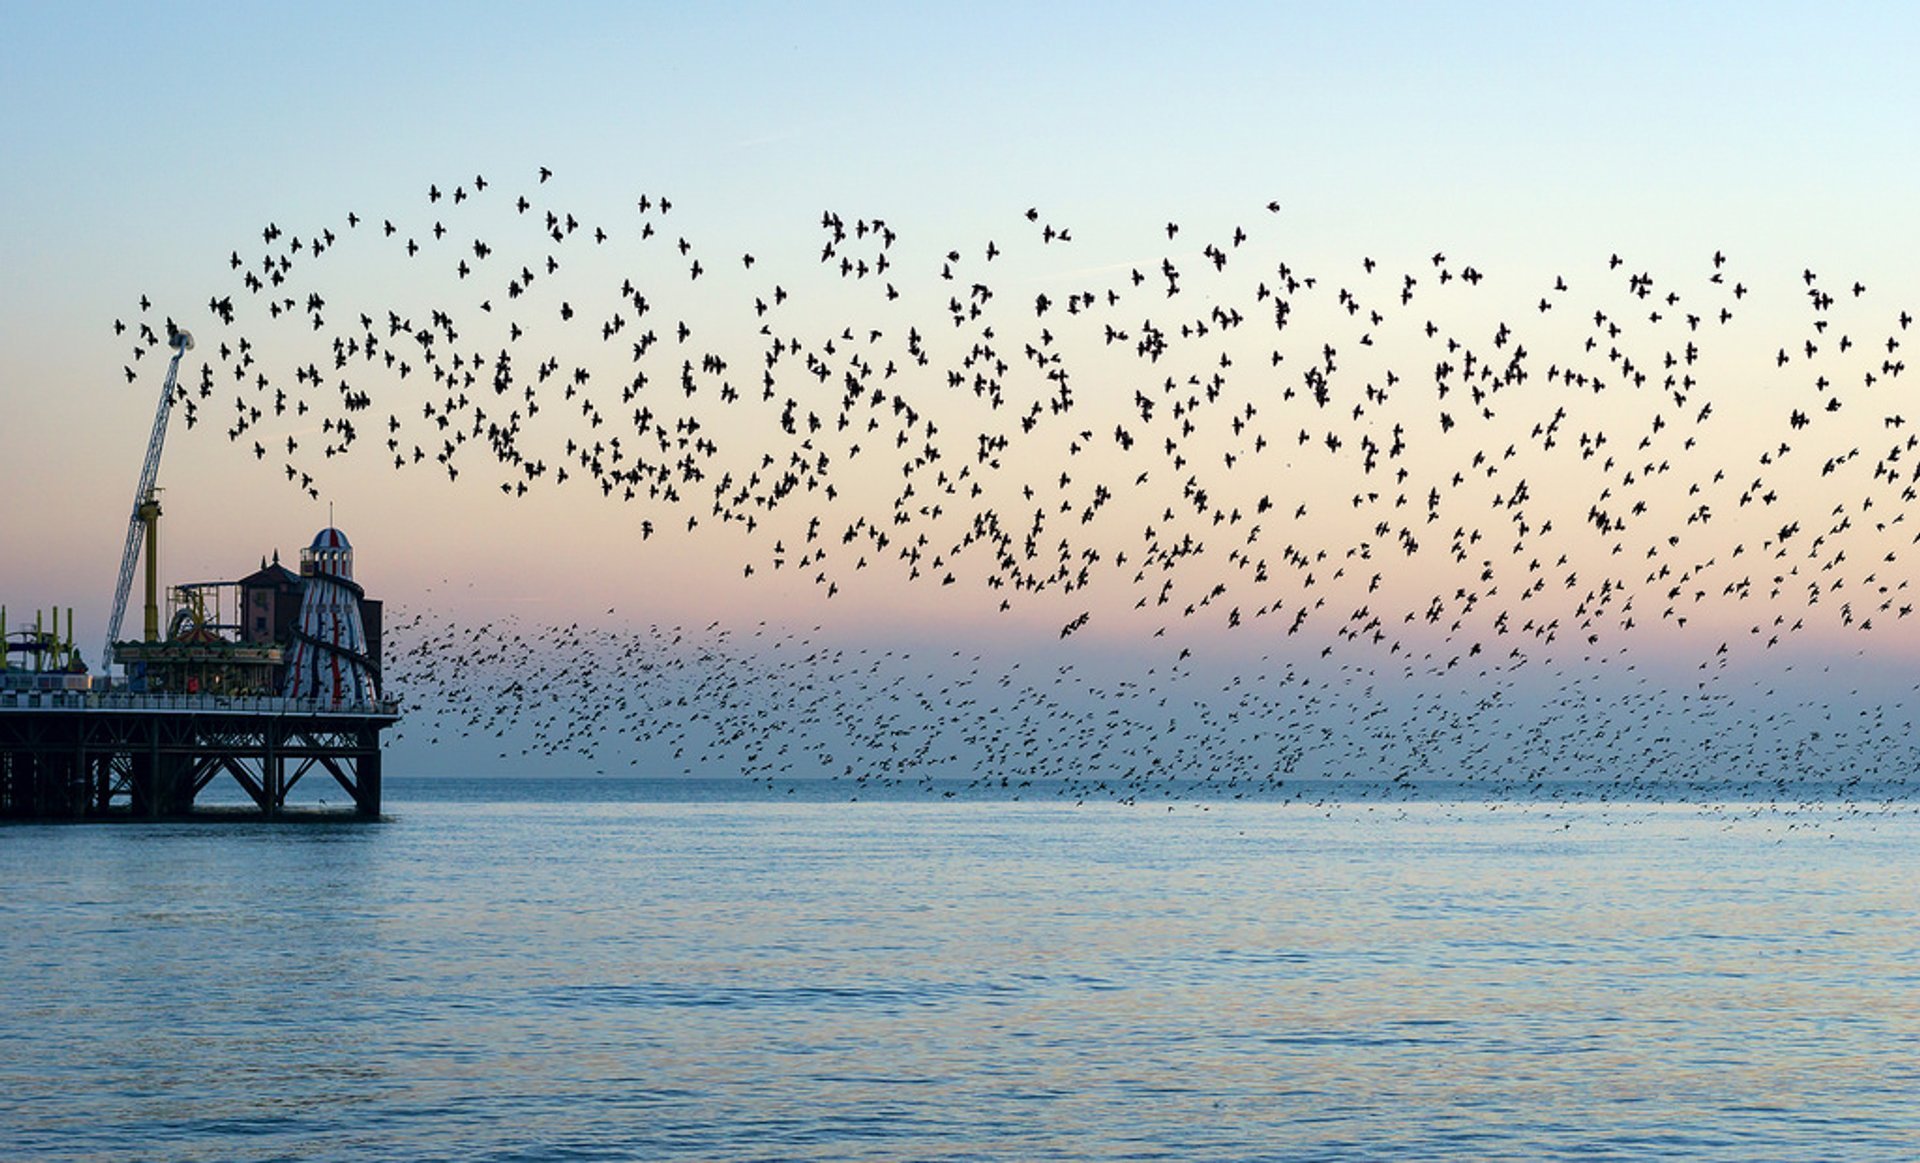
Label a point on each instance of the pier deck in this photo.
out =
(84, 755)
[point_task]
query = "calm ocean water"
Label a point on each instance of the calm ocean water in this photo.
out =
(595, 971)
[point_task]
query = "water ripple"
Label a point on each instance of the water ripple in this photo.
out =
(580, 980)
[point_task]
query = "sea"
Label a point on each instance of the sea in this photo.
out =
(716, 969)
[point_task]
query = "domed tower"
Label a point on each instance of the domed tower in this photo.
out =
(329, 660)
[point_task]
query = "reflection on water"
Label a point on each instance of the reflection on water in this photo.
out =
(486, 977)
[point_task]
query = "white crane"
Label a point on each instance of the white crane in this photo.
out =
(145, 508)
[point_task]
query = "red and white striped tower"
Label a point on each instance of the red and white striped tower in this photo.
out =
(329, 659)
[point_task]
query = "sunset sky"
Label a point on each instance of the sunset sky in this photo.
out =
(145, 145)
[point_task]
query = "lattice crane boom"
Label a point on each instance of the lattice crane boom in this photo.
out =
(182, 343)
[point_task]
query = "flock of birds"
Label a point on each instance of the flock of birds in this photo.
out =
(1418, 467)
(782, 708)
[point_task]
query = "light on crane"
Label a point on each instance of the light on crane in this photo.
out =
(144, 523)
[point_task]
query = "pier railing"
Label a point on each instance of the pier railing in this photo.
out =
(122, 700)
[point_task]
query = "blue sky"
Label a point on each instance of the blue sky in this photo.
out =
(1621, 123)
(144, 143)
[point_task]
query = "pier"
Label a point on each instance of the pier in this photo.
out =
(267, 679)
(93, 755)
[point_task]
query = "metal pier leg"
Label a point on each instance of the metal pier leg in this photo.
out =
(80, 781)
(273, 772)
(366, 782)
(156, 774)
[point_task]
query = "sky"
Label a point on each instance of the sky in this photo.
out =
(1529, 144)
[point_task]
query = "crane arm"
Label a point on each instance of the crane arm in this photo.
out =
(181, 342)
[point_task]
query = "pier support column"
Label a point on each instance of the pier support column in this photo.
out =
(366, 782)
(273, 771)
(155, 773)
